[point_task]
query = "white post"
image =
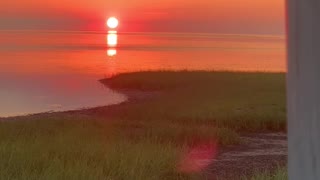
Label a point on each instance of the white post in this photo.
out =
(303, 89)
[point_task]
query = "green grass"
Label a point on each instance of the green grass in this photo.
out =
(278, 174)
(144, 139)
(239, 101)
(79, 147)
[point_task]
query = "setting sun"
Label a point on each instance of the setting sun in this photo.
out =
(112, 22)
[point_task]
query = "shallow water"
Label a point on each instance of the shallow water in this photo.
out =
(54, 71)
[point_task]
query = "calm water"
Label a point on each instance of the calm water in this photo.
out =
(53, 71)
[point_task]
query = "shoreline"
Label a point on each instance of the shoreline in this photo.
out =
(133, 96)
(156, 100)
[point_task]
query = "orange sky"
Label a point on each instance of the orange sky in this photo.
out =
(219, 16)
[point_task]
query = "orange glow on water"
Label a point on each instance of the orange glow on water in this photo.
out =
(144, 52)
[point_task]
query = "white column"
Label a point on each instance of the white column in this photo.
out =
(303, 89)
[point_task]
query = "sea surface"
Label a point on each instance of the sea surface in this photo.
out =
(55, 71)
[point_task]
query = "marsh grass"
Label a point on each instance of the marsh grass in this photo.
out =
(279, 174)
(239, 101)
(143, 139)
(80, 148)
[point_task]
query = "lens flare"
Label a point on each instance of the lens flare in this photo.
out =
(198, 158)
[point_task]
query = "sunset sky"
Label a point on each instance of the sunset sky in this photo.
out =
(214, 16)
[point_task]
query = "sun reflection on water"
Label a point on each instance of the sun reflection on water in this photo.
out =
(112, 41)
(111, 52)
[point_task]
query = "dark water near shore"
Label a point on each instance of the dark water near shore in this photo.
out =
(53, 71)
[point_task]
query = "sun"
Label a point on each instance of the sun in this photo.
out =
(112, 22)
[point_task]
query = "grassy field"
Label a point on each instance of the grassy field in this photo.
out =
(279, 174)
(147, 139)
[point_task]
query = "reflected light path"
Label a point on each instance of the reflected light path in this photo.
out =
(112, 41)
(111, 52)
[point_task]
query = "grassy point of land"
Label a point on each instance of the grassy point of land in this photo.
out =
(144, 139)
(238, 101)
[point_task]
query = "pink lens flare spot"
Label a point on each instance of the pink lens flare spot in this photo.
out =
(198, 158)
